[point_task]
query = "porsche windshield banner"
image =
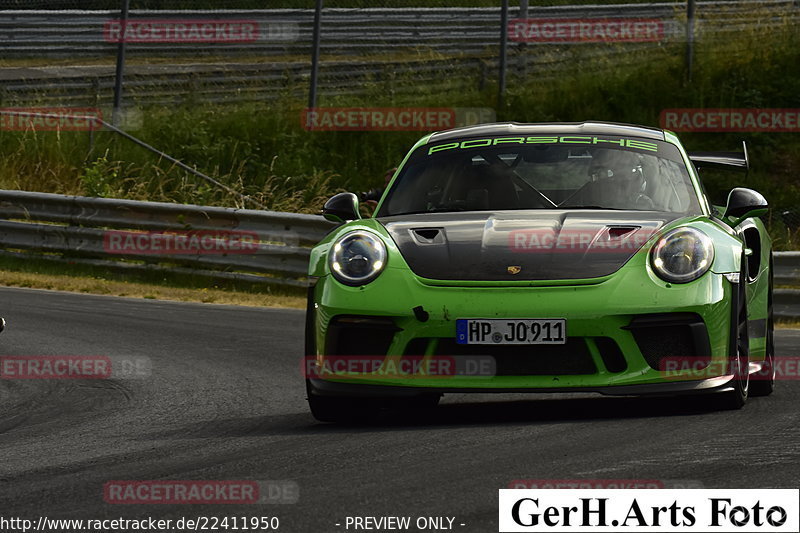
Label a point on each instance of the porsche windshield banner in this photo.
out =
(631, 510)
(546, 139)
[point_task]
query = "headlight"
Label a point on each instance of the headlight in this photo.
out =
(682, 255)
(357, 258)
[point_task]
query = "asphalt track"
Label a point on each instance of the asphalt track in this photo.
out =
(225, 400)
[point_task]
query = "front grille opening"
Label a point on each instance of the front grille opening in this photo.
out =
(416, 346)
(351, 335)
(572, 358)
(672, 340)
(660, 344)
(611, 354)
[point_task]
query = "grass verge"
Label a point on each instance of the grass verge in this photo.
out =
(26, 273)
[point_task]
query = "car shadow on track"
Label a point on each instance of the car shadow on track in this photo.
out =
(543, 411)
(462, 414)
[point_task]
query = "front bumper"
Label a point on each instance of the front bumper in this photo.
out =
(619, 332)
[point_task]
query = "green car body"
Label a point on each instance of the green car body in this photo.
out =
(619, 324)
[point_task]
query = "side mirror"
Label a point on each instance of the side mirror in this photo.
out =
(341, 208)
(744, 203)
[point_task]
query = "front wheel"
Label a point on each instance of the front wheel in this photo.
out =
(739, 359)
(764, 383)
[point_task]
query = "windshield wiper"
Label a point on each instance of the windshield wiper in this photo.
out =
(520, 179)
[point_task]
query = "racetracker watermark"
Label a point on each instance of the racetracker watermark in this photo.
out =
(192, 242)
(398, 367)
(74, 367)
(50, 118)
(393, 118)
(731, 120)
(546, 484)
(181, 31)
(609, 240)
(201, 492)
(785, 368)
(542, 30)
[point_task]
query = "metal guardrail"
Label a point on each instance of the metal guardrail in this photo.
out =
(77, 229)
(787, 268)
(464, 39)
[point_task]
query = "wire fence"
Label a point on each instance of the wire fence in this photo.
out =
(65, 52)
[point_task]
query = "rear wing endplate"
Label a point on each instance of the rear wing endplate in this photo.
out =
(736, 161)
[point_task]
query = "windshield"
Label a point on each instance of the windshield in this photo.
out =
(549, 172)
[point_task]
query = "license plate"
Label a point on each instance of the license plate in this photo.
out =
(511, 331)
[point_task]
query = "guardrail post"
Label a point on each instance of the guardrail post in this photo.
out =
(501, 89)
(96, 91)
(690, 12)
(117, 111)
(522, 60)
(91, 144)
(312, 90)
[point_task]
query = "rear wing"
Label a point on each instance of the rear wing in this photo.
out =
(736, 161)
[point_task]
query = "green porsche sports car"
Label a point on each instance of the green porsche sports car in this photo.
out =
(542, 258)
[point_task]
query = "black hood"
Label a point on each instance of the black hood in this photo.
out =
(522, 245)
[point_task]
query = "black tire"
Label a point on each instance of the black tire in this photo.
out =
(764, 383)
(739, 360)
